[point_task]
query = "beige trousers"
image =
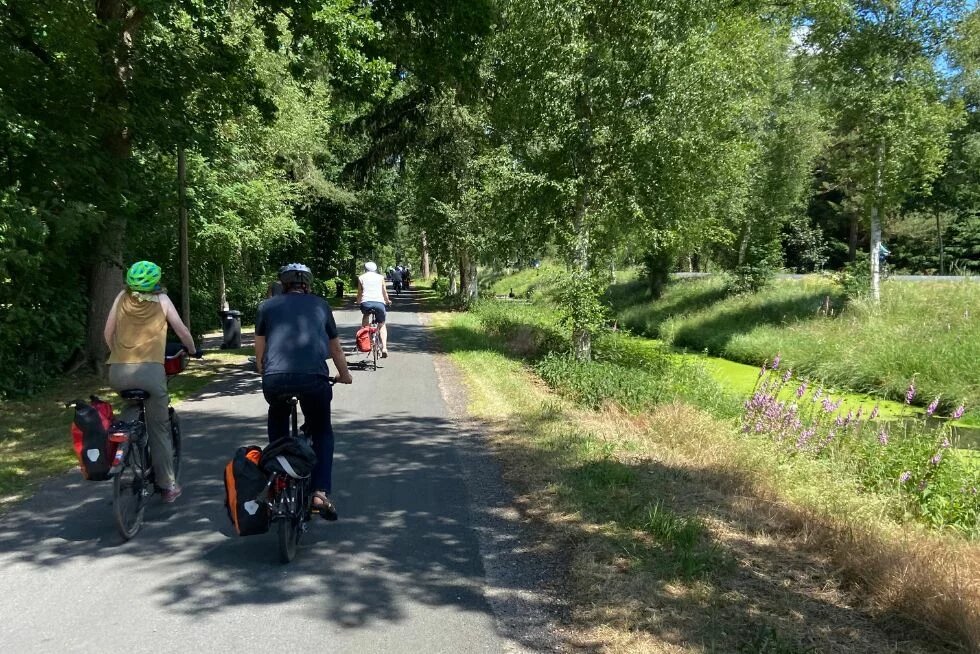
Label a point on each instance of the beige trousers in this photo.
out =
(151, 378)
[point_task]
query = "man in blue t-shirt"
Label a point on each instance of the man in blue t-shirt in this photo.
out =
(295, 333)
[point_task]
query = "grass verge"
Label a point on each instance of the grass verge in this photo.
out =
(35, 440)
(926, 331)
(682, 536)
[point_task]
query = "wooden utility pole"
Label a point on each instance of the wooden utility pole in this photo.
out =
(185, 276)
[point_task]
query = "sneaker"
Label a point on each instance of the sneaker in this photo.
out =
(171, 494)
(324, 507)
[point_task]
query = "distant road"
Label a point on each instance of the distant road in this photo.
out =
(901, 278)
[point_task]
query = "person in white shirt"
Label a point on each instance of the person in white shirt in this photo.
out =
(372, 297)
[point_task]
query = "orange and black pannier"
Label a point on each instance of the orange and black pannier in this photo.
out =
(244, 483)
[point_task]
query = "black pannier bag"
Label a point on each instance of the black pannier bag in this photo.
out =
(244, 483)
(90, 438)
(289, 456)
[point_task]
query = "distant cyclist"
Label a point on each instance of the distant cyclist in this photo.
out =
(397, 279)
(136, 333)
(372, 297)
(295, 333)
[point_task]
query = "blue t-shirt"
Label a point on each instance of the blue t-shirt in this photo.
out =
(297, 329)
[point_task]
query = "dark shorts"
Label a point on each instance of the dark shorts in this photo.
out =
(377, 308)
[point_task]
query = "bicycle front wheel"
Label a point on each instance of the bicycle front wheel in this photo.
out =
(175, 439)
(129, 497)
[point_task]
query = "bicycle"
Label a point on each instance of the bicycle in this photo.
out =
(374, 353)
(375, 341)
(290, 499)
(134, 482)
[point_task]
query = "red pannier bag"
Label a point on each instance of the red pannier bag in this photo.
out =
(364, 338)
(90, 437)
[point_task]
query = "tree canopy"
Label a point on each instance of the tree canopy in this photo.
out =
(740, 136)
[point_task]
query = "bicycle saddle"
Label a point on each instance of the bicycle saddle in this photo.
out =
(134, 394)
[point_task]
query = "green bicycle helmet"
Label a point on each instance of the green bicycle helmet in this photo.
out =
(143, 276)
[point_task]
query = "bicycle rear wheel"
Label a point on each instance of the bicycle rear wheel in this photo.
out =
(375, 350)
(289, 525)
(129, 495)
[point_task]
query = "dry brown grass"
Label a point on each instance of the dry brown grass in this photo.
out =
(794, 578)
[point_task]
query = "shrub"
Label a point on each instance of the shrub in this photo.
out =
(854, 279)
(635, 389)
(630, 352)
(749, 279)
(525, 330)
(441, 285)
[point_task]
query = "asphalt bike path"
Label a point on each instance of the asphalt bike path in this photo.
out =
(403, 570)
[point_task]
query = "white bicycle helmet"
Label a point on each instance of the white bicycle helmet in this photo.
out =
(295, 273)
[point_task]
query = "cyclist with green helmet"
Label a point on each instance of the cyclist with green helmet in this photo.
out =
(136, 333)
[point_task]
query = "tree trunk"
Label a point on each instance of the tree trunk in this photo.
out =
(743, 247)
(876, 228)
(121, 22)
(185, 275)
(222, 289)
(875, 255)
(425, 257)
(472, 288)
(939, 235)
(464, 269)
(451, 274)
(581, 337)
(104, 283)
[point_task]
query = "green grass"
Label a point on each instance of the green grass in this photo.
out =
(533, 282)
(35, 437)
(929, 332)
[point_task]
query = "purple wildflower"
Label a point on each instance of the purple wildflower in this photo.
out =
(905, 476)
(839, 421)
(874, 412)
(860, 411)
(959, 412)
(818, 394)
(945, 444)
(801, 391)
(775, 362)
(805, 438)
(788, 375)
(931, 409)
(936, 459)
(910, 393)
(828, 406)
(883, 437)
(762, 370)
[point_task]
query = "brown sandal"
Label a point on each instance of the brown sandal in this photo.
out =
(324, 506)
